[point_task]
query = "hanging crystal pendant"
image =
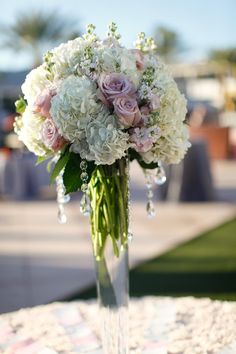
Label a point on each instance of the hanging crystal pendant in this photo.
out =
(150, 194)
(149, 184)
(85, 204)
(61, 199)
(61, 216)
(150, 209)
(160, 177)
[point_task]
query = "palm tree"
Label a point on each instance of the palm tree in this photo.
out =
(169, 43)
(225, 56)
(37, 31)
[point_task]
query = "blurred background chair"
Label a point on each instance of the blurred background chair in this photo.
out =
(190, 181)
(22, 179)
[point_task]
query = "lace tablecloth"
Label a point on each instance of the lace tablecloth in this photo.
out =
(163, 326)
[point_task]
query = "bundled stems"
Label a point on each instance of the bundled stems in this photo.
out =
(108, 190)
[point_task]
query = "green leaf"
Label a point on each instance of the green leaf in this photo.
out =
(20, 105)
(49, 165)
(148, 166)
(71, 176)
(60, 164)
(41, 159)
(135, 156)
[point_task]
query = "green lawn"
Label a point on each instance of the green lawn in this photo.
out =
(205, 266)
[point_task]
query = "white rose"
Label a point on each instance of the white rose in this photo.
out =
(36, 82)
(30, 133)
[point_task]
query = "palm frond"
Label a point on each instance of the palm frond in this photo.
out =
(34, 29)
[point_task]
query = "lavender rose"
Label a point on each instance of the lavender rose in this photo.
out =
(42, 104)
(51, 137)
(127, 110)
(112, 86)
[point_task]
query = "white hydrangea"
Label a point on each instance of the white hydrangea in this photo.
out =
(103, 142)
(74, 105)
(67, 58)
(170, 149)
(108, 59)
(128, 66)
(118, 59)
(30, 132)
(36, 81)
(173, 142)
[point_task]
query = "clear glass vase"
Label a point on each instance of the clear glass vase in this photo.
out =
(109, 194)
(113, 296)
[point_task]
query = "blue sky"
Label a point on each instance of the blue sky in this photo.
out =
(202, 24)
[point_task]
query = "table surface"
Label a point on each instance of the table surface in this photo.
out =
(164, 326)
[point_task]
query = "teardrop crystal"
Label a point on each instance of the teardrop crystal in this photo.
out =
(61, 216)
(160, 177)
(150, 209)
(85, 205)
(61, 199)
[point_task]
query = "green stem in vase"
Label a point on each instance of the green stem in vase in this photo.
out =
(109, 219)
(120, 205)
(107, 294)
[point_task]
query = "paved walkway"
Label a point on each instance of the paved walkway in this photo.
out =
(42, 261)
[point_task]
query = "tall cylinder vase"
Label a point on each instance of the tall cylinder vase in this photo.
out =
(109, 194)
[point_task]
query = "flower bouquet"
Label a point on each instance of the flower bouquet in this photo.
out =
(91, 108)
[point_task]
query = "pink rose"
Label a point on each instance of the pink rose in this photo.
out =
(140, 139)
(51, 137)
(112, 86)
(127, 110)
(42, 104)
(154, 102)
(139, 58)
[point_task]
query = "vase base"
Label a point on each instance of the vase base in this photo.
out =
(114, 329)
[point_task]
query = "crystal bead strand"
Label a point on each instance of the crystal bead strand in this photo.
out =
(150, 205)
(85, 204)
(61, 198)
